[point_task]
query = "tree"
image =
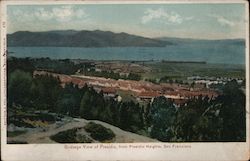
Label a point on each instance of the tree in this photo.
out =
(123, 116)
(46, 90)
(147, 115)
(198, 121)
(135, 120)
(162, 114)
(19, 84)
(85, 106)
(133, 76)
(106, 114)
(233, 113)
(23, 64)
(70, 100)
(67, 104)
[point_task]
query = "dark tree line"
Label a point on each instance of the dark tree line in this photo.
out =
(63, 66)
(112, 75)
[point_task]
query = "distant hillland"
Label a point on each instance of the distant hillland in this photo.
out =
(177, 41)
(97, 38)
(72, 38)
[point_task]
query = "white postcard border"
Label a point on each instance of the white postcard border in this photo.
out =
(169, 151)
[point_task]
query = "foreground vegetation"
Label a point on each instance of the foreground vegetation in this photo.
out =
(94, 132)
(221, 119)
(70, 136)
(99, 132)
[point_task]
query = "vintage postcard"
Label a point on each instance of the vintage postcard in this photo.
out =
(124, 80)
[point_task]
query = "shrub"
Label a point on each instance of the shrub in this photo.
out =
(21, 123)
(70, 136)
(99, 132)
(46, 117)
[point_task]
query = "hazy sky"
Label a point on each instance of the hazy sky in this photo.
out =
(206, 21)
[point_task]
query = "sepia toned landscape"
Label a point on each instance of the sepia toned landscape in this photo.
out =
(98, 83)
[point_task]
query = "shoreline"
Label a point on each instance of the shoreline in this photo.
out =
(131, 61)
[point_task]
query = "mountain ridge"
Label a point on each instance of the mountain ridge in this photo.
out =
(83, 38)
(99, 38)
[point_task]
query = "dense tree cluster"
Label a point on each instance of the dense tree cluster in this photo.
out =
(63, 66)
(167, 79)
(44, 92)
(222, 119)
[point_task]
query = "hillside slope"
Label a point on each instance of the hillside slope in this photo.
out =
(43, 136)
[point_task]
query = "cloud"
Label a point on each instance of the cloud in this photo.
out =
(61, 14)
(163, 16)
(67, 13)
(222, 20)
(21, 15)
(189, 18)
(42, 14)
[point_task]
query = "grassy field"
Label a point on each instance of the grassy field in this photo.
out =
(183, 70)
